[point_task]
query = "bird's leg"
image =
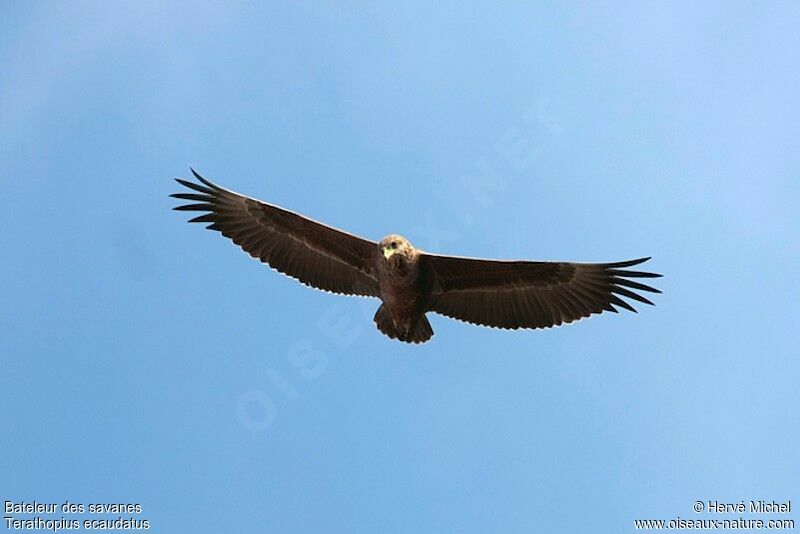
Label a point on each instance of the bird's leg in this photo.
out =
(403, 330)
(402, 333)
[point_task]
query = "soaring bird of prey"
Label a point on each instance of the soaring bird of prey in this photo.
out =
(410, 282)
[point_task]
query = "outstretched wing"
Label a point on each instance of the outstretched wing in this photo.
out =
(527, 294)
(313, 253)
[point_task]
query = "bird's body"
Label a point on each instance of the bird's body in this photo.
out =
(401, 287)
(409, 282)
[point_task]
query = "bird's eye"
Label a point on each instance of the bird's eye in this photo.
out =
(394, 244)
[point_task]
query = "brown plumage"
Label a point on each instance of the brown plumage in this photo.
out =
(409, 282)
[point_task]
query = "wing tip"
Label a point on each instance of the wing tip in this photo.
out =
(619, 269)
(204, 181)
(627, 263)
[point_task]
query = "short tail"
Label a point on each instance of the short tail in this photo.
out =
(419, 332)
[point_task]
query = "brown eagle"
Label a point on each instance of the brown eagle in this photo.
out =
(410, 282)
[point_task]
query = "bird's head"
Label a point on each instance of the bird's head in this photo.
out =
(395, 244)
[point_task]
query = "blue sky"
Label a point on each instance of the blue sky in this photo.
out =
(146, 360)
